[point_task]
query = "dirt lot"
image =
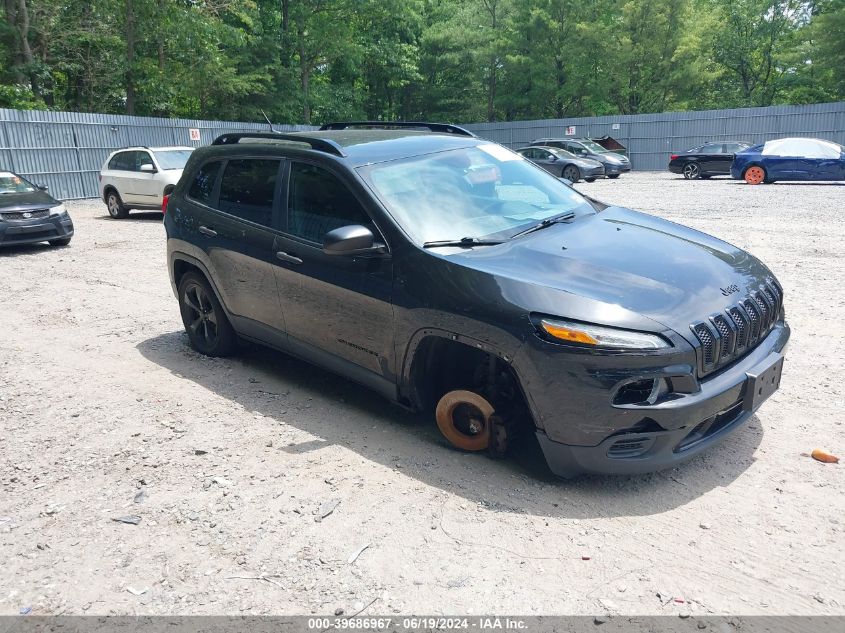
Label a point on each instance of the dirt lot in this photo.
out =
(106, 412)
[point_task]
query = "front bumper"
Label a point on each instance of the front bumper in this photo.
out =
(593, 172)
(54, 227)
(612, 170)
(583, 432)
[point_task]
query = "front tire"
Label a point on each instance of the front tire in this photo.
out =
(571, 173)
(115, 205)
(692, 171)
(613, 176)
(589, 179)
(205, 322)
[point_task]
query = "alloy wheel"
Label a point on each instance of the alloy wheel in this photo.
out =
(202, 320)
(691, 171)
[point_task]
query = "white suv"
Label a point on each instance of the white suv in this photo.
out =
(140, 177)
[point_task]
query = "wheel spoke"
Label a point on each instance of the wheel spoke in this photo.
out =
(188, 302)
(196, 324)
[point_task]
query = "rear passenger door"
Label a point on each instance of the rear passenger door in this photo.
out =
(338, 308)
(121, 169)
(237, 210)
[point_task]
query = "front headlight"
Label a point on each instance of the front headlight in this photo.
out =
(601, 336)
(58, 210)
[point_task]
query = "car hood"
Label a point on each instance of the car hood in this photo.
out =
(618, 266)
(613, 157)
(26, 201)
(586, 163)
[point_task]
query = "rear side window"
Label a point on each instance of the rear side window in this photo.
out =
(202, 187)
(711, 148)
(248, 188)
(318, 203)
(123, 161)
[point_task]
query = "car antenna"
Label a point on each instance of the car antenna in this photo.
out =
(266, 118)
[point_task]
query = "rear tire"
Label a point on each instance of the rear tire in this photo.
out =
(64, 241)
(115, 205)
(205, 322)
(754, 175)
(692, 171)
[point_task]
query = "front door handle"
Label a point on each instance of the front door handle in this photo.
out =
(285, 257)
(207, 231)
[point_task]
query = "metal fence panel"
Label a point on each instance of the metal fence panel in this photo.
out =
(65, 150)
(652, 138)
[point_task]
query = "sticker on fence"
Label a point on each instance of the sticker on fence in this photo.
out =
(195, 134)
(570, 130)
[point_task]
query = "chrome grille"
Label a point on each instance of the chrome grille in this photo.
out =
(726, 336)
(25, 215)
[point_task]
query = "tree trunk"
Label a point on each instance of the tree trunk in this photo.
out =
(130, 58)
(25, 48)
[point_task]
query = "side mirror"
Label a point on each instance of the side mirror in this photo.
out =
(566, 181)
(351, 240)
(148, 168)
(43, 187)
(552, 157)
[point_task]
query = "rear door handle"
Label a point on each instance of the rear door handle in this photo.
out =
(285, 257)
(207, 231)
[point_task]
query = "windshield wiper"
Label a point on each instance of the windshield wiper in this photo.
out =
(465, 242)
(545, 223)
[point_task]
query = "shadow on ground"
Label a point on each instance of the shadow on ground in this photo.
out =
(341, 412)
(29, 249)
(135, 216)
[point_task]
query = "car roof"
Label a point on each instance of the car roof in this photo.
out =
(353, 146)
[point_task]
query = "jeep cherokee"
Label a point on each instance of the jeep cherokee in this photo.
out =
(449, 273)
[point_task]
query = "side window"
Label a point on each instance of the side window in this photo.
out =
(202, 186)
(248, 188)
(120, 161)
(711, 148)
(318, 203)
(143, 158)
(529, 153)
(733, 148)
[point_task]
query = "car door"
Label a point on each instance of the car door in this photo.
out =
(547, 161)
(147, 186)
(234, 219)
(337, 307)
(121, 169)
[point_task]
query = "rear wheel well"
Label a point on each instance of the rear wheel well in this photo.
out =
(169, 189)
(107, 189)
(441, 365)
(180, 267)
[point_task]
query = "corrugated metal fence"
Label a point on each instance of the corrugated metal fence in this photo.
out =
(65, 150)
(652, 138)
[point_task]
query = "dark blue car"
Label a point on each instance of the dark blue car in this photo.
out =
(790, 159)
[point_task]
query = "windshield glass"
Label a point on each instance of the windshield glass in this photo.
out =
(173, 158)
(594, 147)
(12, 183)
(485, 191)
(562, 153)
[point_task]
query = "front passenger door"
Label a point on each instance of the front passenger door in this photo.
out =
(337, 307)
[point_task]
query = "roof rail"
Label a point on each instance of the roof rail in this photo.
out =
(319, 144)
(445, 128)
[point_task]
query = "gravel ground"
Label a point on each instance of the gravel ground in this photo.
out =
(106, 412)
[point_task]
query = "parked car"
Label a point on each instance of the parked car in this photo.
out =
(140, 177)
(559, 162)
(614, 164)
(790, 159)
(448, 273)
(704, 161)
(28, 214)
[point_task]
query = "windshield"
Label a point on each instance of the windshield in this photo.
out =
(485, 191)
(12, 183)
(594, 147)
(173, 158)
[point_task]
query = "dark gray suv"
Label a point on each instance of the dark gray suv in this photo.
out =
(449, 273)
